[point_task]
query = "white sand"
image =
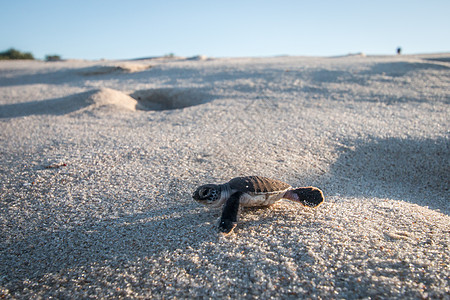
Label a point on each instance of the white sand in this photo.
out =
(128, 142)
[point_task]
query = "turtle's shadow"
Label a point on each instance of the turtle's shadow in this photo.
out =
(104, 242)
(117, 240)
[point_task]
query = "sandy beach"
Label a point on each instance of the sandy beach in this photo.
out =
(99, 160)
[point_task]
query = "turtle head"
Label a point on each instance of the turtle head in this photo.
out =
(207, 194)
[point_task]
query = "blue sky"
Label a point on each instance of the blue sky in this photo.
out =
(112, 29)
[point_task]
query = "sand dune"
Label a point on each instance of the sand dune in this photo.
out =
(101, 98)
(99, 160)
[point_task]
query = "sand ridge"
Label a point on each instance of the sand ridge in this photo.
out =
(97, 173)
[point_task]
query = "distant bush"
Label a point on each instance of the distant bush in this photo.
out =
(15, 54)
(52, 57)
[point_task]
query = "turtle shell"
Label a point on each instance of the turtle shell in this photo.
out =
(257, 185)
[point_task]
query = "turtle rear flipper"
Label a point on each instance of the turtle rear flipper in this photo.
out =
(228, 220)
(308, 196)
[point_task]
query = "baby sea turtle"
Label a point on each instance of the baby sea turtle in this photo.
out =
(252, 191)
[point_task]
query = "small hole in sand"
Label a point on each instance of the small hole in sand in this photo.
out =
(167, 98)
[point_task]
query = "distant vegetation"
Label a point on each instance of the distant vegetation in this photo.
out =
(52, 57)
(15, 54)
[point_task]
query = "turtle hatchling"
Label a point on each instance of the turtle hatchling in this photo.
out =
(252, 191)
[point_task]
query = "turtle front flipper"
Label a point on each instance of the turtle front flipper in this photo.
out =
(308, 196)
(228, 220)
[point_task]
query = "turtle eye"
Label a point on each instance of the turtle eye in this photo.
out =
(204, 192)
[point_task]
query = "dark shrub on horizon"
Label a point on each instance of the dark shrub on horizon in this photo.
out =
(15, 54)
(52, 57)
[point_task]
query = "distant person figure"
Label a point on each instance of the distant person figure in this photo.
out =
(399, 51)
